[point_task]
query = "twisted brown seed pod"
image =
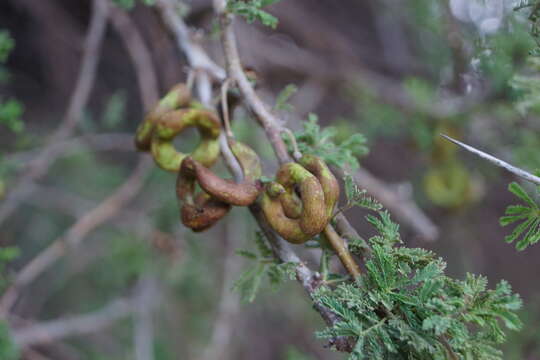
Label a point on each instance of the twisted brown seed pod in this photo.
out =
(178, 96)
(202, 212)
(170, 124)
(238, 194)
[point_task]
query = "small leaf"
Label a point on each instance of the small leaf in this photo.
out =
(284, 96)
(517, 190)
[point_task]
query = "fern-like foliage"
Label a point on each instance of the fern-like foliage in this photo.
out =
(282, 99)
(264, 262)
(405, 307)
(358, 197)
(534, 18)
(10, 109)
(252, 10)
(528, 231)
(321, 142)
(8, 350)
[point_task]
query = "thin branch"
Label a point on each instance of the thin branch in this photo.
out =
(401, 204)
(268, 121)
(514, 170)
(195, 54)
(75, 234)
(72, 205)
(145, 302)
(94, 142)
(229, 300)
(140, 56)
(54, 330)
(38, 167)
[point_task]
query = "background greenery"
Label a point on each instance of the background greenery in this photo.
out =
(397, 72)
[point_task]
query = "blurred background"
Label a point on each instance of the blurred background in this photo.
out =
(118, 277)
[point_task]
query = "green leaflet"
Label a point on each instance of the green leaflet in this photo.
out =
(527, 232)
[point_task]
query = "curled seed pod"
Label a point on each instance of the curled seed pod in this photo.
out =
(201, 212)
(238, 194)
(287, 228)
(292, 205)
(313, 218)
(178, 96)
(328, 181)
(174, 122)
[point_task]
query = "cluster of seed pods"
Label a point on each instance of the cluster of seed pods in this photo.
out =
(298, 204)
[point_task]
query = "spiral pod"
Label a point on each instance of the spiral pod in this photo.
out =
(328, 181)
(198, 212)
(312, 219)
(227, 191)
(318, 191)
(177, 97)
(202, 211)
(172, 123)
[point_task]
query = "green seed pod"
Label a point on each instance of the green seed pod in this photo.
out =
(238, 194)
(178, 96)
(328, 181)
(174, 122)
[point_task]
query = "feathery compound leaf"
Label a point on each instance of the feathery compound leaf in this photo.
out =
(250, 280)
(405, 307)
(527, 232)
(282, 100)
(252, 10)
(388, 230)
(517, 190)
(321, 142)
(359, 197)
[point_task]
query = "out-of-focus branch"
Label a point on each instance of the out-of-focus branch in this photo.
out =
(94, 142)
(195, 54)
(72, 205)
(229, 301)
(75, 234)
(400, 203)
(54, 330)
(145, 303)
(139, 55)
(39, 166)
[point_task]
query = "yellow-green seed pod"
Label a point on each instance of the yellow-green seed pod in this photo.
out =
(289, 229)
(178, 96)
(328, 181)
(174, 122)
(313, 218)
